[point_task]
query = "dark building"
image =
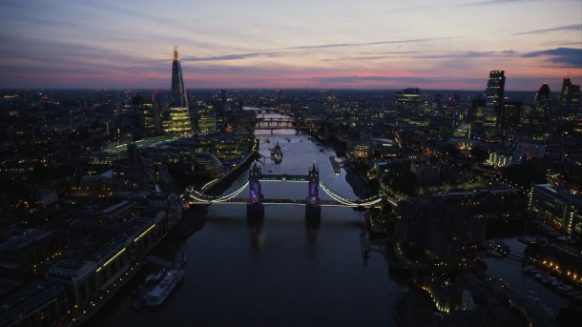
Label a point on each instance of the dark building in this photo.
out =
(477, 111)
(510, 116)
(442, 228)
(28, 254)
(408, 100)
(148, 116)
(569, 98)
(542, 99)
(468, 301)
(39, 304)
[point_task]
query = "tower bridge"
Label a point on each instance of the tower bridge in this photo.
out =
(256, 201)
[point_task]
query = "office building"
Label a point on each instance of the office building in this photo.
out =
(494, 94)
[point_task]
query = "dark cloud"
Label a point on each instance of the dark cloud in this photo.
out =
(569, 57)
(575, 27)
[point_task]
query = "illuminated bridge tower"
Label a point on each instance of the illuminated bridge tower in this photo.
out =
(312, 208)
(255, 207)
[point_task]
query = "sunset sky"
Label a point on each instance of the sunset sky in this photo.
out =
(449, 44)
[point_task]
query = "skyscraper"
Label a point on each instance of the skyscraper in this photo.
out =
(542, 100)
(494, 99)
(178, 118)
(178, 93)
(569, 99)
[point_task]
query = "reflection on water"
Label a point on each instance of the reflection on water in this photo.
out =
(282, 270)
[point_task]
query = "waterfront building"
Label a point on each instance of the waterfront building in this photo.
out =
(557, 208)
(359, 150)
(94, 268)
(39, 304)
(556, 259)
(27, 254)
(470, 300)
(440, 227)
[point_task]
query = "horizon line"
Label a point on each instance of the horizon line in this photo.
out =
(250, 88)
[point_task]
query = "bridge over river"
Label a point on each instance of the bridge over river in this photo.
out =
(256, 201)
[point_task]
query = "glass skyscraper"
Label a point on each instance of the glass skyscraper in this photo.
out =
(494, 99)
(178, 119)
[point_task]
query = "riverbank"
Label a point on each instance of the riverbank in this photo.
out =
(355, 178)
(195, 217)
(192, 220)
(357, 181)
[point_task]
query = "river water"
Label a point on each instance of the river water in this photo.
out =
(279, 273)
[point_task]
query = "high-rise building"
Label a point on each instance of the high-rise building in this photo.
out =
(178, 92)
(569, 99)
(148, 118)
(542, 100)
(494, 99)
(178, 116)
(207, 121)
(542, 118)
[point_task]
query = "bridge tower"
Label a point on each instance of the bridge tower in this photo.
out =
(312, 208)
(255, 207)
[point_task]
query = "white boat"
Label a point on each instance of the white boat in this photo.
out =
(160, 292)
(277, 154)
(155, 277)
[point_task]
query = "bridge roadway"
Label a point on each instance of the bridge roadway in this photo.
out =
(300, 203)
(338, 200)
(283, 178)
(279, 123)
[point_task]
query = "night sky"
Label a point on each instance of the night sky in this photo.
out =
(450, 44)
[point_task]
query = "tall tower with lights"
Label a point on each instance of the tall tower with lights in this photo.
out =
(178, 93)
(178, 120)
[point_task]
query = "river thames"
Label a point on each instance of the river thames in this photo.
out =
(280, 273)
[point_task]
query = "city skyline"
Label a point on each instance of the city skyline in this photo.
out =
(371, 45)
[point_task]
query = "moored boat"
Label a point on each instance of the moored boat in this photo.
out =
(277, 154)
(162, 290)
(155, 277)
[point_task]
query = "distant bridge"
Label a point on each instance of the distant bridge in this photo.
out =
(286, 122)
(256, 201)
